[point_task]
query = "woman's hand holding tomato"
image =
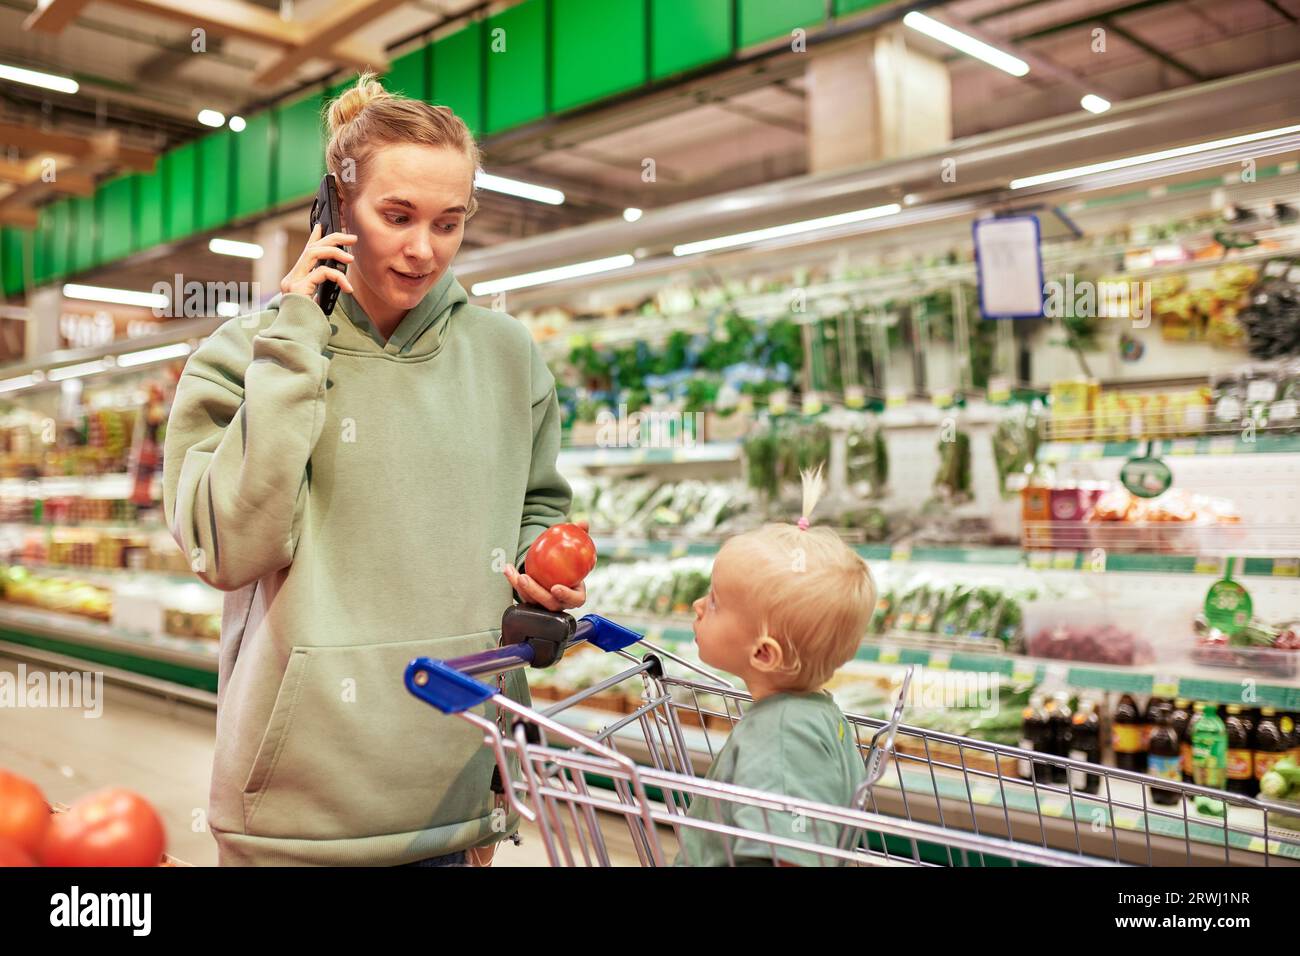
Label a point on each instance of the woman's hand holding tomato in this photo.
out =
(557, 562)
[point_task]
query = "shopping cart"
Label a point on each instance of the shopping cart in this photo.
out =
(635, 779)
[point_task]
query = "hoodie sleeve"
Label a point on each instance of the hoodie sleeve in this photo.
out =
(239, 437)
(548, 498)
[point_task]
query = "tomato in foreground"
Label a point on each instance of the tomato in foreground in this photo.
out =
(562, 554)
(24, 814)
(113, 827)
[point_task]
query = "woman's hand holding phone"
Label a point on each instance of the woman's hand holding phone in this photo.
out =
(307, 273)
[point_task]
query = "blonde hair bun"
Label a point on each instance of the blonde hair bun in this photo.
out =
(353, 100)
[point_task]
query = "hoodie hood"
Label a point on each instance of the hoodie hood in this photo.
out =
(419, 335)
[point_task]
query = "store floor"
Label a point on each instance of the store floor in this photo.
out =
(163, 750)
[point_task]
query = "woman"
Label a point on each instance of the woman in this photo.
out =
(362, 485)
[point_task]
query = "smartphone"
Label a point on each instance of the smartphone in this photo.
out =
(325, 211)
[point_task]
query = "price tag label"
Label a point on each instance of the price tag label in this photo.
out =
(1090, 451)
(941, 397)
(577, 341)
(1053, 808)
(678, 550)
(1126, 821)
(601, 456)
(778, 403)
(1182, 446)
(812, 403)
(622, 551)
(982, 796)
(895, 397)
(654, 634)
(1164, 685)
(1057, 673)
(1023, 673)
(855, 396)
(679, 455)
(939, 660)
(1222, 445)
(1040, 560)
(900, 552)
(1207, 565)
(888, 655)
(1286, 567)
(1065, 560)
(637, 456)
(999, 390)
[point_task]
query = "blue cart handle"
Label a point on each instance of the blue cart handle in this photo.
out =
(450, 685)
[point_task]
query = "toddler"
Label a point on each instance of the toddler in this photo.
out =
(787, 606)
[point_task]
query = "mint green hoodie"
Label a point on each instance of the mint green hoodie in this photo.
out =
(358, 501)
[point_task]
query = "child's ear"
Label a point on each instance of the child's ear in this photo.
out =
(767, 654)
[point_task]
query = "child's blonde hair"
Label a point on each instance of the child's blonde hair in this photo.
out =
(810, 592)
(366, 117)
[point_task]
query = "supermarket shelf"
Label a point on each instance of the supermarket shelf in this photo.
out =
(1171, 679)
(618, 547)
(106, 576)
(114, 527)
(1269, 540)
(721, 451)
(1057, 451)
(188, 661)
(116, 485)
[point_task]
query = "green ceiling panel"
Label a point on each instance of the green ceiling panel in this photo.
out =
(598, 49)
(515, 47)
(180, 184)
(300, 153)
(116, 219)
(254, 165)
(457, 75)
(216, 169)
(764, 19)
(408, 75)
(149, 201)
(685, 34)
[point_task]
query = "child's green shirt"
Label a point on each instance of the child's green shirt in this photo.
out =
(795, 745)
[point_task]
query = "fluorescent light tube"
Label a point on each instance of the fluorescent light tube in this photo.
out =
(46, 81)
(150, 300)
(212, 118)
(966, 44)
(1060, 174)
(572, 271)
(789, 229)
(516, 187)
(232, 247)
(159, 354)
(1094, 103)
(13, 384)
(237, 124)
(77, 371)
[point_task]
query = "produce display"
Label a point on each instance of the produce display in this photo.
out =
(1105, 643)
(923, 602)
(1082, 411)
(96, 443)
(67, 595)
(777, 450)
(650, 507)
(1081, 515)
(1265, 648)
(1203, 307)
(68, 510)
(1272, 319)
(650, 587)
(1267, 396)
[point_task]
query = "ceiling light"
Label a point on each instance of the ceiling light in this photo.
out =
(966, 44)
(160, 354)
(77, 371)
(212, 118)
(516, 187)
(631, 214)
(150, 300)
(1126, 162)
(1094, 104)
(232, 247)
(22, 381)
(789, 229)
(237, 124)
(46, 81)
(573, 271)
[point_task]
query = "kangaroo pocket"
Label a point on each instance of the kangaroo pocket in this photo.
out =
(348, 752)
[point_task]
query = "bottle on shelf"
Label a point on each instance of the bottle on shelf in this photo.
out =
(1179, 718)
(1198, 711)
(1126, 736)
(1150, 718)
(1294, 748)
(1058, 717)
(1085, 744)
(1163, 756)
(1210, 750)
(1271, 743)
(1034, 736)
(1241, 770)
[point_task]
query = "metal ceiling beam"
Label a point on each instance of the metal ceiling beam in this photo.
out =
(329, 30)
(1092, 18)
(1153, 51)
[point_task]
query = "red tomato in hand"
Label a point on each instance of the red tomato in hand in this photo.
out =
(11, 854)
(110, 828)
(24, 814)
(562, 554)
